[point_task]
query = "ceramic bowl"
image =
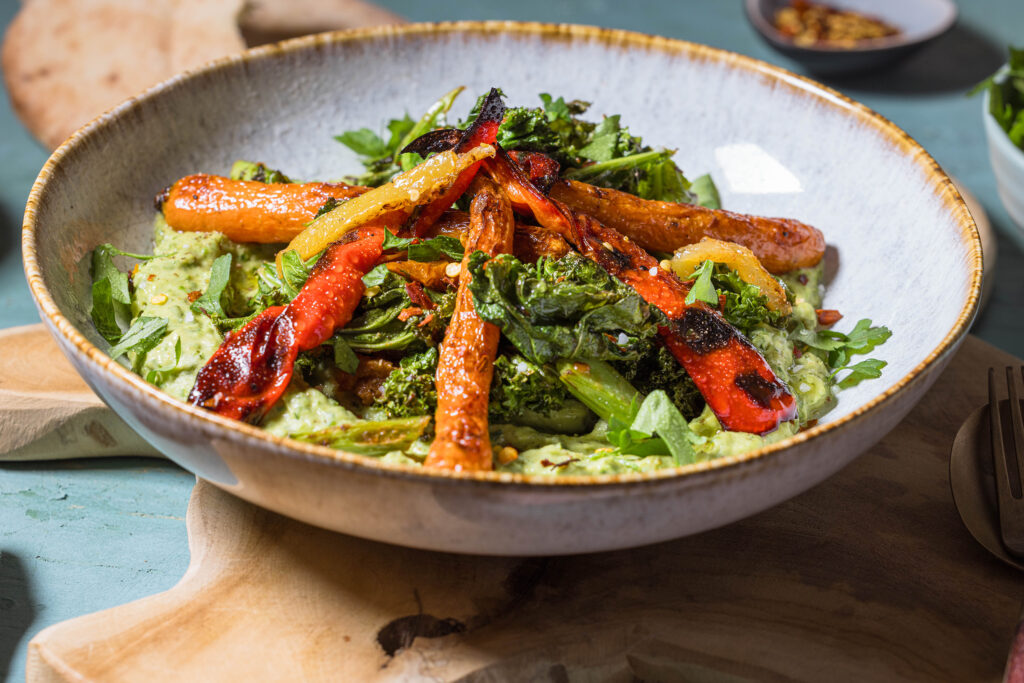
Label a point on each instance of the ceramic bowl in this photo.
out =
(1007, 164)
(919, 21)
(909, 256)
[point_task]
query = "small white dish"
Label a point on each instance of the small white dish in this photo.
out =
(1008, 165)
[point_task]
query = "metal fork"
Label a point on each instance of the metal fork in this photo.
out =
(1008, 461)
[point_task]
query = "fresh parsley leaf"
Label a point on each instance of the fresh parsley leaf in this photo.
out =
(364, 142)
(376, 276)
(210, 302)
(607, 142)
(836, 347)
(145, 333)
(703, 289)
(432, 249)
(344, 357)
(866, 369)
(557, 109)
(383, 159)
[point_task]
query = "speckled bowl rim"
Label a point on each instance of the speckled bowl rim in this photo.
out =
(768, 30)
(694, 474)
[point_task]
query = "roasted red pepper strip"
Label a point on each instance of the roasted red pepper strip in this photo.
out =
(466, 363)
(252, 368)
(541, 169)
(730, 373)
(484, 131)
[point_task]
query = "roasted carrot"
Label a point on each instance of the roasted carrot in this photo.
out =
(432, 274)
(781, 244)
(730, 373)
(245, 210)
(530, 242)
(466, 363)
(252, 368)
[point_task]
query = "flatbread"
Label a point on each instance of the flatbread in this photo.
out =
(67, 61)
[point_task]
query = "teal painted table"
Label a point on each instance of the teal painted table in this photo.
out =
(77, 537)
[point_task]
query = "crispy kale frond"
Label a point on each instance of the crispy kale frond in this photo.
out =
(563, 308)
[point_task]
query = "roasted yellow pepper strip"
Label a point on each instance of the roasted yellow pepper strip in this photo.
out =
(402, 194)
(740, 259)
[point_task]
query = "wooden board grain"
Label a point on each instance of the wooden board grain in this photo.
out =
(47, 411)
(869, 576)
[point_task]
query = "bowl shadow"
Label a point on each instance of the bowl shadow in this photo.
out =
(954, 62)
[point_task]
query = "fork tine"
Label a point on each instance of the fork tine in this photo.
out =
(1008, 486)
(996, 427)
(1018, 431)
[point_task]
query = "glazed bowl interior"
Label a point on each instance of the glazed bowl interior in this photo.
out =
(906, 252)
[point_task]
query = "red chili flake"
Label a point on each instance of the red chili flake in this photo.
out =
(721, 302)
(828, 316)
(426, 320)
(152, 276)
(418, 296)
(547, 463)
(193, 295)
(797, 352)
(802, 279)
(409, 312)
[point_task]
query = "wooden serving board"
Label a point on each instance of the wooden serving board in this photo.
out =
(869, 576)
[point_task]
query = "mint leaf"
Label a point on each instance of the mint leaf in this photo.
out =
(210, 302)
(393, 242)
(103, 268)
(658, 415)
(295, 272)
(432, 249)
(703, 289)
(706, 193)
(161, 375)
(376, 276)
(104, 312)
(145, 333)
(344, 357)
(111, 298)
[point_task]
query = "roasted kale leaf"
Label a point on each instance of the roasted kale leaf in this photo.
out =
(561, 309)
